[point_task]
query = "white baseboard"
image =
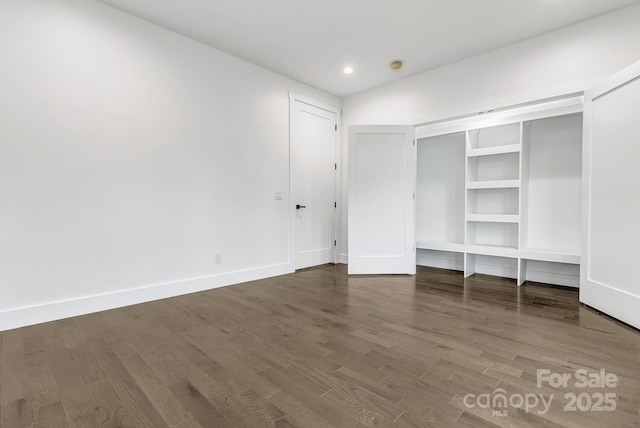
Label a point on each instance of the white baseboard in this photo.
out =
(344, 259)
(21, 317)
(616, 303)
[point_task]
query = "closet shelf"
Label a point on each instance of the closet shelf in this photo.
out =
(452, 247)
(490, 250)
(494, 150)
(494, 218)
(495, 184)
(550, 256)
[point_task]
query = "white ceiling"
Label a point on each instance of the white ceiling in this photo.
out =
(313, 40)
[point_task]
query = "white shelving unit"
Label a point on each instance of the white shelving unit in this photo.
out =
(493, 184)
(501, 195)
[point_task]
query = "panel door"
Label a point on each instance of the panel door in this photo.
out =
(610, 277)
(314, 185)
(381, 183)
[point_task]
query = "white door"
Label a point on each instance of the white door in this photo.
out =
(610, 276)
(382, 176)
(313, 161)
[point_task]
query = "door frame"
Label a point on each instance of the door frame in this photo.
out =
(293, 97)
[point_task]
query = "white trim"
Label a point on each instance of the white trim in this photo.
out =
(501, 116)
(337, 213)
(537, 101)
(621, 78)
(290, 200)
(616, 303)
(25, 316)
(293, 97)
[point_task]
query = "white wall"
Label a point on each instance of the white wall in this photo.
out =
(129, 156)
(561, 62)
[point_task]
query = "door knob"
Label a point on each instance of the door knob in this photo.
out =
(300, 206)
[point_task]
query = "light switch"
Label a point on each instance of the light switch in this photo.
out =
(278, 194)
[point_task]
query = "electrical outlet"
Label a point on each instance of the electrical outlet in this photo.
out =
(217, 257)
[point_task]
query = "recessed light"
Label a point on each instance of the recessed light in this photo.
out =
(348, 70)
(396, 65)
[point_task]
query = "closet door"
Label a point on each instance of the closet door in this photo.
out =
(382, 176)
(610, 277)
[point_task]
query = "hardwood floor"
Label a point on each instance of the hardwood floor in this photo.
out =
(320, 349)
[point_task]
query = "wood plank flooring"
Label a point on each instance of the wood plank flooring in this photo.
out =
(320, 349)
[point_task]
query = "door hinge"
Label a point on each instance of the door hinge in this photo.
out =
(414, 142)
(335, 243)
(335, 205)
(336, 127)
(335, 166)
